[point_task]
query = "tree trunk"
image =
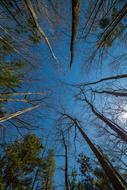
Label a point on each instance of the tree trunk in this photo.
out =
(75, 19)
(109, 170)
(66, 163)
(13, 115)
(120, 132)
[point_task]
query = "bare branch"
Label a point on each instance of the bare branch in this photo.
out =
(41, 32)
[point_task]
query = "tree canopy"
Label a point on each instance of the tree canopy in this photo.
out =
(63, 95)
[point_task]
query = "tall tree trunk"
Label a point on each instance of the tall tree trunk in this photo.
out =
(47, 183)
(120, 132)
(111, 173)
(66, 163)
(41, 32)
(109, 30)
(75, 19)
(13, 115)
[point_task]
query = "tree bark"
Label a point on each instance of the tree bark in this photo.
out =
(75, 19)
(7, 117)
(120, 132)
(111, 92)
(109, 170)
(103, 79)
(41, 32)
(66, 163)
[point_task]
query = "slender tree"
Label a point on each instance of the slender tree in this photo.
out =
(112, 174)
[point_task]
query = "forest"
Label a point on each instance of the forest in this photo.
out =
(63, 95)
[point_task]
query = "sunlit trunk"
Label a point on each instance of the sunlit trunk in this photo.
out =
(120, 132)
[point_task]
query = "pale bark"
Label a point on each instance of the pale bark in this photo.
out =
(41, 32)
(13, 115)
(22, 93)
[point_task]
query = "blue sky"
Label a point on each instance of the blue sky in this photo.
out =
(48, 76)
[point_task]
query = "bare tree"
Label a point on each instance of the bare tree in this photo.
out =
(112, 174)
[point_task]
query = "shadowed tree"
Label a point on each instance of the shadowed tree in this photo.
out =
(120, 132)
(112, 174)
(92, 175)
(19, 162)
(75, 19)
